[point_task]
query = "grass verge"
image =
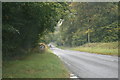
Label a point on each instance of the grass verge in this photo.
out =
(99, 48)
(36, 65)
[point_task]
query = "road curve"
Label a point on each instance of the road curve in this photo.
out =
(87, 65)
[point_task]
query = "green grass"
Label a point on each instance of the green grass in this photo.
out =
(36, 65)
(99, 48)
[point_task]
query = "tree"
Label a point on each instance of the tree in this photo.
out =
(90, 22)
(24, 23)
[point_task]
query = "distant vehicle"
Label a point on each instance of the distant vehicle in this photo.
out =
(50, 46)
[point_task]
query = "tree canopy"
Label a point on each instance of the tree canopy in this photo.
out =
(89, 22)
(24, 23)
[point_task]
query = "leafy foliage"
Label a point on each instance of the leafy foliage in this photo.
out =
(90, 22)
(24, 23)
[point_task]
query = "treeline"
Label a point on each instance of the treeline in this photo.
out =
(89, 23)
(23, 24)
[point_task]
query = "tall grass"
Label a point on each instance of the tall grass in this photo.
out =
(36, 65)
(110, 48)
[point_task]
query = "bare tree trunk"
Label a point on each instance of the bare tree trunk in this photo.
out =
(88, 37)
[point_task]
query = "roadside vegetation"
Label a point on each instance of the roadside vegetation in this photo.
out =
(93, 23)
(74, 24)
(99, 48)
(24, 26)
(89, 23)
(36, 65)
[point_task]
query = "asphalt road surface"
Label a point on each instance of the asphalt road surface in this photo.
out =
(88, 65)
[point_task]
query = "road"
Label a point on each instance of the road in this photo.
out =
(88, 65)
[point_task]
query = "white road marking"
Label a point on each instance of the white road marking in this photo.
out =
(73, 76)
